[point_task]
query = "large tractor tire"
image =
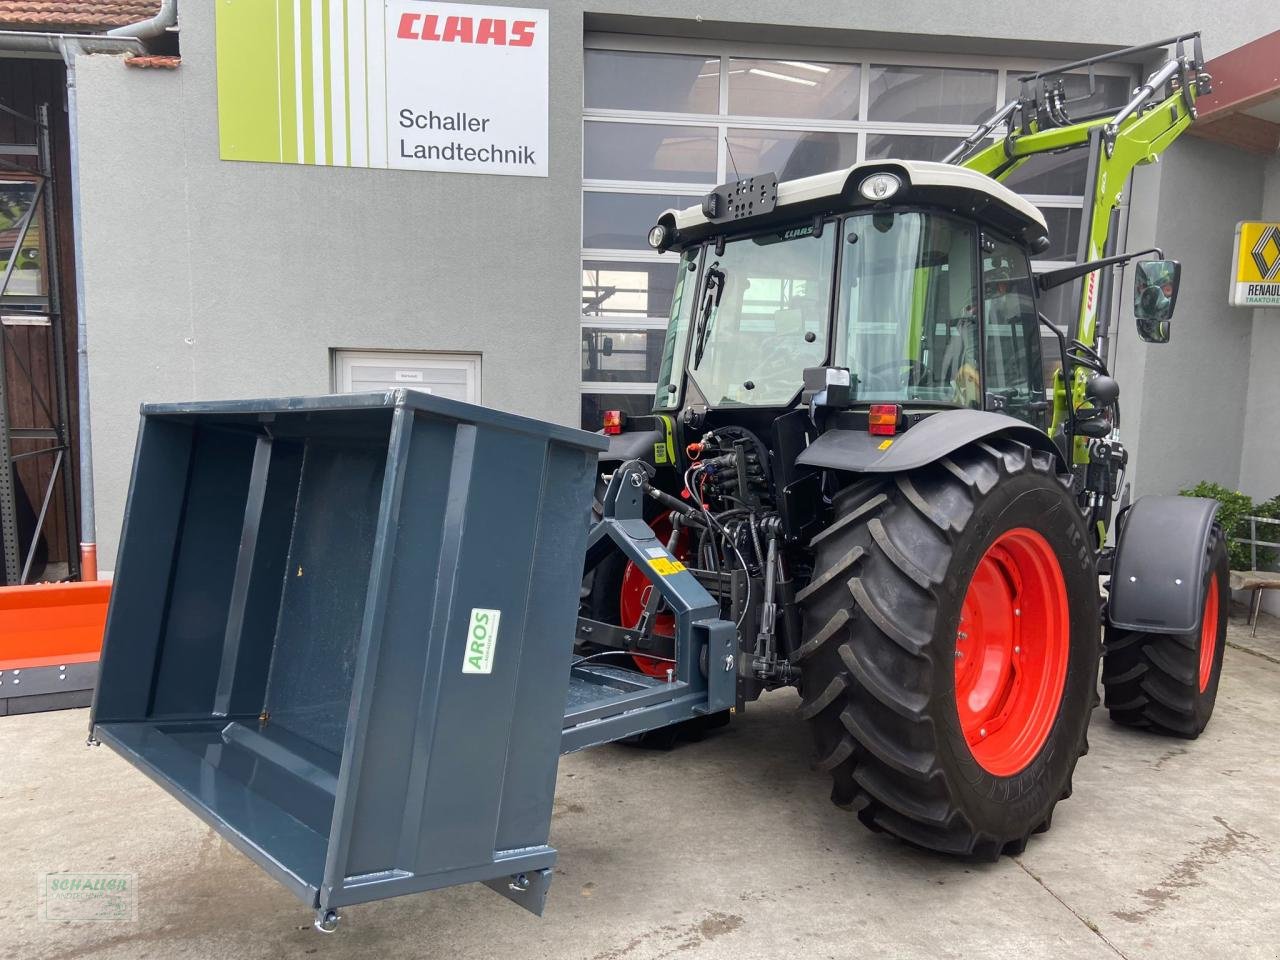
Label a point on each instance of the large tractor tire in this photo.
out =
(951, 647)
(1168, 682)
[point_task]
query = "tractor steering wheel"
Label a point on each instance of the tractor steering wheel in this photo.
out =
(780, 359)
(909, 373)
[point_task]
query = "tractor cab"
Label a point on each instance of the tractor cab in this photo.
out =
(914, 277)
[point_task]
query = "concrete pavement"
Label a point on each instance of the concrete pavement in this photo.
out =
(727, 848)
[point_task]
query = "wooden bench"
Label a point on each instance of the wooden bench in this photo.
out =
(1257, 581)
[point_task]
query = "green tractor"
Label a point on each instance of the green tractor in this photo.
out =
(858, 448)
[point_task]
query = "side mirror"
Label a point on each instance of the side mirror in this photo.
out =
(1155, 291)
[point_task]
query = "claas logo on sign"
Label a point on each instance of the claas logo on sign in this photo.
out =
(490, 30)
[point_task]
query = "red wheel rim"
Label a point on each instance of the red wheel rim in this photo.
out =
(1208, 632)
(1011, 651)
(635, 593)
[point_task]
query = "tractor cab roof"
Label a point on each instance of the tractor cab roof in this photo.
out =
(760, 202)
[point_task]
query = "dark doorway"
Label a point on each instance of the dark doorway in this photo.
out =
(38, 535)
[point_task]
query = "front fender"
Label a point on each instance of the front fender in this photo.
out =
(1161, 553)
(929, 440)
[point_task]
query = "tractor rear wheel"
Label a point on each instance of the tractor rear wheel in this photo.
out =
(951, 645)
(1168, 682)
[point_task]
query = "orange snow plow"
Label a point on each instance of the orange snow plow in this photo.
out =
(50, 636)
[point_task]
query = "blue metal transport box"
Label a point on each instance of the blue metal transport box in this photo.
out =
(340, 633)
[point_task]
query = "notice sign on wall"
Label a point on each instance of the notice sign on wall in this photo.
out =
(402, 84)
(1255, 266)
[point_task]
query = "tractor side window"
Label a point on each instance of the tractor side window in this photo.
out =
(1014, 374)
(908, 308)
(668, 394)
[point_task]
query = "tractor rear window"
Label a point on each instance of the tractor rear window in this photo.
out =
(761, 317)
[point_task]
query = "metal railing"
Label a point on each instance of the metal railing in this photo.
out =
(1253, 541)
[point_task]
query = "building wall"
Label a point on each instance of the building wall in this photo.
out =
(1183, 402)
(210, 279)
(1260, 453)
(1260, 457)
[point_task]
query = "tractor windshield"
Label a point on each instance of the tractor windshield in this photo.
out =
(908, 308)
(761, 317)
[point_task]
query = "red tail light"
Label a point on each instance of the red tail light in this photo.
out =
(883, 419)
(613, 421)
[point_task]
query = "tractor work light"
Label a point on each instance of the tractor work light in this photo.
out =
(657, 236)
(882, 419)
(879, 186)
(613, 421)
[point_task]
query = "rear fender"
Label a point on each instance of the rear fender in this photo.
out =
(926, 442)
(1162, 549)
(634, 445)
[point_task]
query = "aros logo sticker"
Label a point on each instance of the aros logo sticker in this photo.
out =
(482, 638)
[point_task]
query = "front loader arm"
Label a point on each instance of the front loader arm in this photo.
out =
(1137, 134)
(1140, 139)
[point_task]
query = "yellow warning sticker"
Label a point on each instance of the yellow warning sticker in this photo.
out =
(886, 444)
(659, 453)
(665, 566)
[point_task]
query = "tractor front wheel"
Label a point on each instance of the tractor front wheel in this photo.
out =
(951, 644)
(1168, 682)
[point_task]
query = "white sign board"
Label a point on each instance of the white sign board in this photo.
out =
(467, 88)
(402, 84)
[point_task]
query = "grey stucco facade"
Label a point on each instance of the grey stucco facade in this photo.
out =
(1188, 413)
(211, 279)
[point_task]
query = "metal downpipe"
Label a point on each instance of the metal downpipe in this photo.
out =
(165, 18)
(88, 516)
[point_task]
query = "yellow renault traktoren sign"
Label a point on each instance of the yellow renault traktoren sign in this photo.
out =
(1255, 267)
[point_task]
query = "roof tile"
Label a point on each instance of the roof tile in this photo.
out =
(154, 62)
(81, 14)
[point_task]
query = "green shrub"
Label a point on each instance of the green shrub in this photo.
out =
(1235, 507)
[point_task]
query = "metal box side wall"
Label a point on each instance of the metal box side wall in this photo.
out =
(153, 511)
(450, 776)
